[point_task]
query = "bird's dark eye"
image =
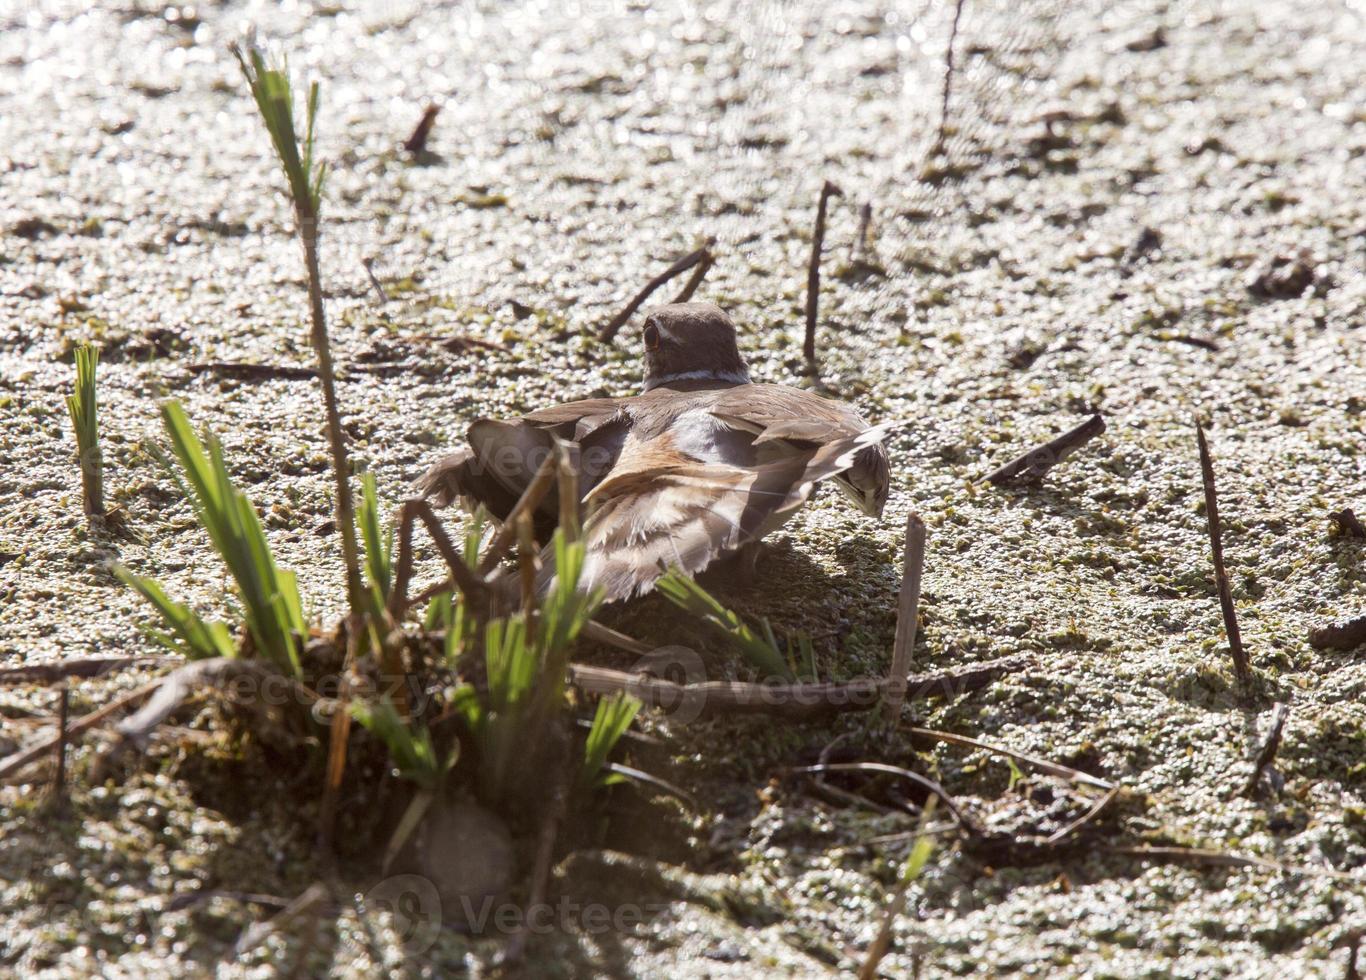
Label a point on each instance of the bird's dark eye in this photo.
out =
(651, 336)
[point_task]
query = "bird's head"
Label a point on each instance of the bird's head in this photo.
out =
(691, 342)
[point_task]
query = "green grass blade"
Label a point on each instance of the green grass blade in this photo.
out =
(379, 542)
(270, 597)
(83, 408)
(190, 635)
(611, 719)
(761, 652)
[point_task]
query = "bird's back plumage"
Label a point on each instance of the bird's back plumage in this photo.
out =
(676, 477)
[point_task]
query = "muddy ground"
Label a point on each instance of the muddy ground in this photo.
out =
(1115, 175)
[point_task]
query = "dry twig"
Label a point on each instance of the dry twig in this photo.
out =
(792, 701)
(1033, 464)
(948, 78)
(83, 667)
(13, 763)
(375, 284)
(416, 144)
(1084, 819)
(678, 268)
(883, 769)
(908, 611)
(813, 272)
(254, 372)
(698, 274)
(1241, 668)
(59, 779)
(1269, 747)
(1043, 765)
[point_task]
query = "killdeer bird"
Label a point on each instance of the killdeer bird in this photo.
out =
(700, 465)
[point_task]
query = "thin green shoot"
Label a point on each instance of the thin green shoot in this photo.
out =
(610, 721)
(761, 651)
(415, 758)
(526, 675)
(274, 95)
(83, 408)
(410, 747)
(915, 865)
(379, 543)
(270, 87)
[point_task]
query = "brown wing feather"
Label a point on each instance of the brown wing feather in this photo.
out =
(761, 407)
(679, 513)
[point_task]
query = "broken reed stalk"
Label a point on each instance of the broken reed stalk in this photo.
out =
(59, 778)
(792, 701)
(949, 67)
(416, 144)
(865, 221)
(531, 499)
(339, 738)
(1347, 520)
(698, 274)
(369, 265)
(275, 99)
(1340, 636)
(83, 667)
(83, 407)
(567, 480)
(1270, 745)
(609, 331)
(1032, 465)
(908, 612)
(813, 271)
(1084, 819)
(1241, 668)
(1043, 765)
(471, 584)
(13, 763)
(910, 775)
(527, 566)
(608, 637)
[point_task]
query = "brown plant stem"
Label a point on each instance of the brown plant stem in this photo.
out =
(908, 611)
(949, 67)
(341, 466)
(1033, 464)
(59, 778)
(609, 331)
(416, 144)
(1241, 668)
(1270, 745)
(813, 271)
(793, 701)
(698, 274)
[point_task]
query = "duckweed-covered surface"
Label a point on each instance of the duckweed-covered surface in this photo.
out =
(1116, 176)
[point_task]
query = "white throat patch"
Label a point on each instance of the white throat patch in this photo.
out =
(730, 377)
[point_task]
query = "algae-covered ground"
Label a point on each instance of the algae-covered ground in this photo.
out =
(1116, 176)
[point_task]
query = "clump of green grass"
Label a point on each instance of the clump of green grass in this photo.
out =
(270, 595)
(83, 407)
(526, 657)
(613, 716)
